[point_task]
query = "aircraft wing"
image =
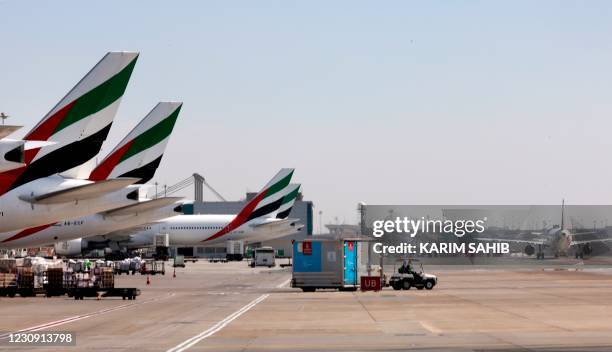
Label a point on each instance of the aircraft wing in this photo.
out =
(124, 234)
(584, 233)
(142, 206)
(574, 243)
(88, 191)
(5, 130)
(535, 241)
(273, 223)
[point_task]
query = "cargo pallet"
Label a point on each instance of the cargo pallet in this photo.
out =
(126, 293)
(153, 267)
(8, 284)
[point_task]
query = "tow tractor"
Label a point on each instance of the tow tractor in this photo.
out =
(407, 277)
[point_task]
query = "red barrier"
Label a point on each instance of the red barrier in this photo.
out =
(370, 283)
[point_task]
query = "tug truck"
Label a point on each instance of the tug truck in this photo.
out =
(326, 263)
(406, 277)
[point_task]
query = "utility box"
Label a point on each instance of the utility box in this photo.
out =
(162, 240)
(326, 263)
(179, 260)
(234, 250)
(263, 256)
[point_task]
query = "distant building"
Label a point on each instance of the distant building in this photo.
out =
(344, 230)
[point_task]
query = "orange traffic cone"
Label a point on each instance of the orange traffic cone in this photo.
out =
(148, 281)
(174, 273)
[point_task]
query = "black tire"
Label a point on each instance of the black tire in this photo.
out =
(406, 285)
(308, 289)
(396, 286)
(11, 294)
(429, 285)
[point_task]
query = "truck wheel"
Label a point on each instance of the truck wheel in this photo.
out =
(429, 285)
(406, 285)
(396, 286)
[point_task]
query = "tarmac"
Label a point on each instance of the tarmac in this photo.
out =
(231, 307)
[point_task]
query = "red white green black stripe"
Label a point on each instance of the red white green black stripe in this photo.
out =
(140, 152)
(265, 202)
(288, 200)
(78, 124)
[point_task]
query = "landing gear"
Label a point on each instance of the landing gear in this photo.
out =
(540, 254)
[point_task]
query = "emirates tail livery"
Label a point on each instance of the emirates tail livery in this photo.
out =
(258, 218)
(68, 136)
(11, 151)
(138, 155)
(134, 160)
(78, 124)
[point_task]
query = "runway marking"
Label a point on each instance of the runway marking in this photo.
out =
(429, 327)
(185, 345)
(83, 316)
(284, 283)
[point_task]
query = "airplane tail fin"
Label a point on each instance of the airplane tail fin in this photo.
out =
(288, 201)
(78, 124)
(265, 203)
(140, 152)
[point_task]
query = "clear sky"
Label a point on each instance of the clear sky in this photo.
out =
(386, 102)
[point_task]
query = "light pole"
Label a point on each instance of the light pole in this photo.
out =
(320, 221)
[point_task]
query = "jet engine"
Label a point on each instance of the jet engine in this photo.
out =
(70, 248)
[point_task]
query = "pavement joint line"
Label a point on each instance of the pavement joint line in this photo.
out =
(217, 327)
(185, 345)
(83, 316)
(365, 308)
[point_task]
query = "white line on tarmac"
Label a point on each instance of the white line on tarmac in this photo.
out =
(284, 283)
(83, 316)
(185, 345)
(429, 327)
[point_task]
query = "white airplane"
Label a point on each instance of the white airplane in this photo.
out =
(264, 217)
(557, 240)
(137, 155)
(33, 194)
